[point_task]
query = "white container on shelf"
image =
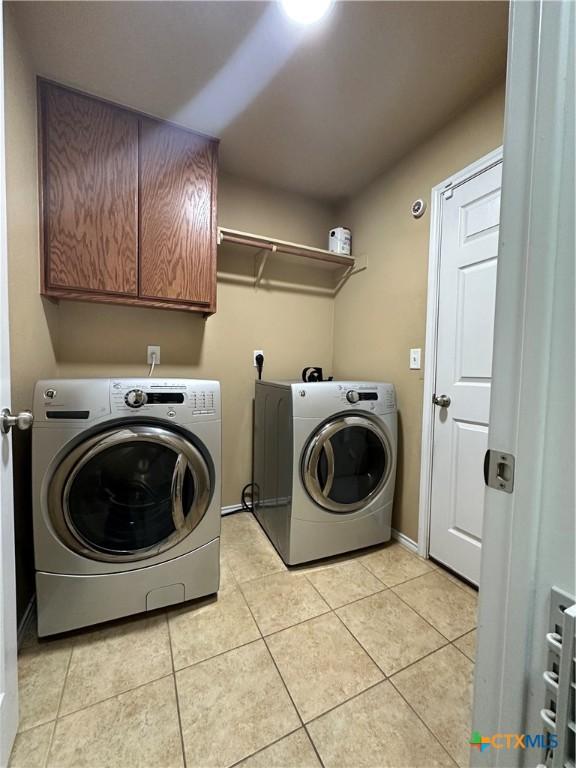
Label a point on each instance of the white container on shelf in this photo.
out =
(340, 241)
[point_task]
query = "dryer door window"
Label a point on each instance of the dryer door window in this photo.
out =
(347, 463)
(129, 493)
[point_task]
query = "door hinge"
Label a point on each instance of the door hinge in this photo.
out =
(499, 470)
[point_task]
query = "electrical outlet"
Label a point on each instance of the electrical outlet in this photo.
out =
(257, 352)
(415, 355)
(153, 351)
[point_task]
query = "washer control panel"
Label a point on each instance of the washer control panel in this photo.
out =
(135, 398)
(168, 398)
(77, 403)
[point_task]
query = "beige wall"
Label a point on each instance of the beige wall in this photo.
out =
(33, 321)
(381, 313)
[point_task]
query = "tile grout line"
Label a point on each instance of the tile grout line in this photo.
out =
(343, 703)
(314, 747)
(424, 619)
(176, 691)
(359, 599)
(108, 698)
(326, 603)
(47, 756)
(220, 653)
(399, 583)
(277, 669)
(303, 725)
(430, 570)
(427, 620)
(417, 661)
(273, 661)
(312, 618)
(262, 576)
(261, 749)
(353, 696)
(61, 697)
(391, 589)
(473, 662)
(297, 624)
(453, 642)
(387, 675)
(361, 648)
(357, 640)
(330, 609)
(430, 731)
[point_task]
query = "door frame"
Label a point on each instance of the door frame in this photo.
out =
(529, 533)
(437, 199)
(8, 622)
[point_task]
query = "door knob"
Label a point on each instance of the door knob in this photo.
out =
(22, 420)
(442, 400)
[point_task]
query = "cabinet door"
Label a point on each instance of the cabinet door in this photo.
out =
(177, 214)
(90, 186)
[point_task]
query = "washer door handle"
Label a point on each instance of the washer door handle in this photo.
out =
(178, 476)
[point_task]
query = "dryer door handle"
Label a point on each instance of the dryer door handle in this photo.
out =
(178, 476)
(329, 451)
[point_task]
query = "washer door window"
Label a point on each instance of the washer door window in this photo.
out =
(346, 463)
(129, 493)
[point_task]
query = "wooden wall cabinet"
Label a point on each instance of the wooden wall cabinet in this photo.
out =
(128, 205)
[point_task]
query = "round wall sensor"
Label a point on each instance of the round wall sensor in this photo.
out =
(418, 208)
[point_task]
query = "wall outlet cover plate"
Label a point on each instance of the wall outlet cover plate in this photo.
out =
(153, 350)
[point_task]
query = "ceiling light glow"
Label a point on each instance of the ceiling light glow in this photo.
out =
(306, 11)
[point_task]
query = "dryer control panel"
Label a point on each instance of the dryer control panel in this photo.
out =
(322, 399)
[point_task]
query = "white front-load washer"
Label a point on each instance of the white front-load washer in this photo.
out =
(126, 496)
(324, 465)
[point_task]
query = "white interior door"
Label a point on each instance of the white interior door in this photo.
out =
(465, 334)
(8, 661)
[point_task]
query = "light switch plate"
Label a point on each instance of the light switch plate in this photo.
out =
(415, 358)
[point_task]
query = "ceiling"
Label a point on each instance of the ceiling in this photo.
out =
(320, 111)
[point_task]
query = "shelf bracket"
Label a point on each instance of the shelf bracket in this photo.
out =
(360, 265)
(261, 259)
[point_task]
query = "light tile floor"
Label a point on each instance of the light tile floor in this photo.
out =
(363, 660)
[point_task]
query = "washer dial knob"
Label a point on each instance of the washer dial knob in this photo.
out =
(352, 396)
(135, 398)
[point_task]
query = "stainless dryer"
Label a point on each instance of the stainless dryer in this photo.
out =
(324, 465)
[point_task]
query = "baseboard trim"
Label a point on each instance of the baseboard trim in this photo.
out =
(26, 621)
(231, 509)
(405, 540)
